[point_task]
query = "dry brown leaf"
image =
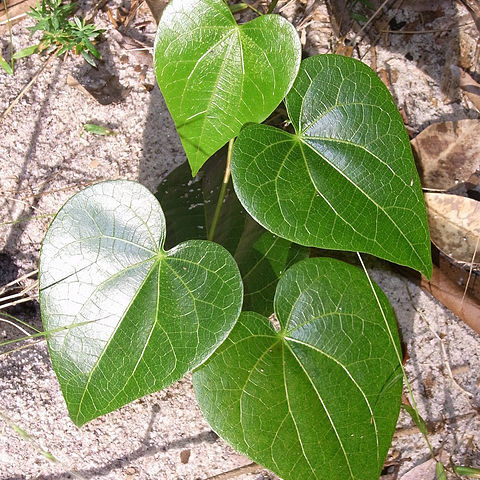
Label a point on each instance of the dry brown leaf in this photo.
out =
(454, 225)
(447, 153)
(157, 7)
(468, 85)
(473, 6)
(424, 471)
(451, 295)
(425, 5)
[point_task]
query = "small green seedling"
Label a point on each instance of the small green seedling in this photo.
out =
(97, 129)
(59, 33)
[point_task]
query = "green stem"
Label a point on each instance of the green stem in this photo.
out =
(251, 7)
(223, 189)
(9, 33)
(272, 6)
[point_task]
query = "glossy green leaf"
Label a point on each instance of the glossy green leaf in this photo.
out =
(346, 179)
(318, 399)
(139, 317)
(216, 75)
(189, 205)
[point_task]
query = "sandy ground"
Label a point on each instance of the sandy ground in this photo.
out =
(44, 160)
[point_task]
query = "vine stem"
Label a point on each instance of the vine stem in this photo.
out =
(272, 6)
(399, 358)
(223, 189)
(9, 24)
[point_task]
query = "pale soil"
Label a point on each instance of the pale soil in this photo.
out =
(43, 161)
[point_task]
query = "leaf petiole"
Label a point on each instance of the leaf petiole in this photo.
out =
(223, 189)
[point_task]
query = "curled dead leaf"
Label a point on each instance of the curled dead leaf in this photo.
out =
(424, 471)
(468, 85)
(447, 153)
(455, 225)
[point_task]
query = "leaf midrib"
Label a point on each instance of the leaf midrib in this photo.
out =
(105, 348)
(324, 407)
(349, 375)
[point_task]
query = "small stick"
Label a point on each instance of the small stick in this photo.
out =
(470, 272)
(19, 294)
(14, 325)
(17, 280)
(379, 9)
(244, 469)
(11, 19)
(16, 302)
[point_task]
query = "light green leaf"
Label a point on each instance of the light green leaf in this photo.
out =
(98, 129)
(142, 317)
(469, 472)
(318, 399)
(6, 66)
(25, 52)
(417, 418)
(440, 473)
(216, 75)
(189, 206)
(346, 179)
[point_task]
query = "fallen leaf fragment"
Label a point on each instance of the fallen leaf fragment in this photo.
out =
(455, 225)
(474, 8)
(424, 471)
(451, 295)
(447, 153)
(98, 129)
(427, 470)
(468, 85)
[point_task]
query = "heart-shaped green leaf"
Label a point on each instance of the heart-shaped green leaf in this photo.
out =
(130, 318)
(320, 398)
(216, 75)
(346, 180)
(189, 206)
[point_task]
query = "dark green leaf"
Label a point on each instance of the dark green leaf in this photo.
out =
(216, 75)
(346, 179)
(139, 317)
(189, 205)
(262, 258)
(320, 398)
